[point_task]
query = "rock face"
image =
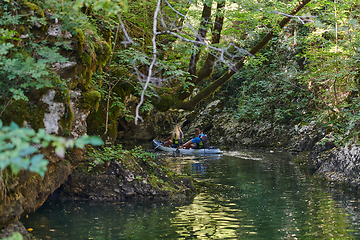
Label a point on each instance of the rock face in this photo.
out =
(340, 166)
(79, 125)
(230, 133)
(55, 111)
(28, 191)
(17, 227)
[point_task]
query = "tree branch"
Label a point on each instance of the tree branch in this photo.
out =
(155, 33)
(190, 105)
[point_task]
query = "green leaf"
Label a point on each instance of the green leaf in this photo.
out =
(79, 143)
(15, 140)
(45, 144)
(36, 140)
(60, 151)
(14, 236)
(4, 163)
(14, 126)
(9, 146)
(16, 164)
(29, 132)
(41, 133)
(5, 47)
(96, 141)
(29, 150)
(39, 164)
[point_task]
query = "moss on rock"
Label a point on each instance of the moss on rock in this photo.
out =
(16, 112)
(81, 38)
(31, 7)
(66, 121)
(90, 100)
(62, 95)
(86, 59)
(103, 52)
(21, 111)
(96, 121)
(165, 102)
(36, 115)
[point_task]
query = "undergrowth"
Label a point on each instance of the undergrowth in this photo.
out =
(147, 167)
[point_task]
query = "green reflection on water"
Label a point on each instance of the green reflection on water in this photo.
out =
(205, 218)
(259, 196)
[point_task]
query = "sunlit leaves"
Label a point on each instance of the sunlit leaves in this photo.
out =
(19, 147)
(4, 48)
(8, 19)
(29, 72)
(110, 7)
(332, 58)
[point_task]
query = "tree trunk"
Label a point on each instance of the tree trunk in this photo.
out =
(205, 19)
(207, 68)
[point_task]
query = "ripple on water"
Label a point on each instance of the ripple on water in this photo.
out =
(244, 155)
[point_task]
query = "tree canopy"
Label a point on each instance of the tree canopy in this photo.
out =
(278, 60)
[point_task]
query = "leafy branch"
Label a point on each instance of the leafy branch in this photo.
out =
(19, 147)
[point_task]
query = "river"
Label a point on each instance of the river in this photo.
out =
(259, 195)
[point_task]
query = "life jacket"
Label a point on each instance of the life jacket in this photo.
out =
(177, 140)
(204, 142)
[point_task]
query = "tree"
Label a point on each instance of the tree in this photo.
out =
(189, 105)
(178, 98)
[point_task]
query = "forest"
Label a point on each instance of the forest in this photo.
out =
(123, 62)
(281, 61)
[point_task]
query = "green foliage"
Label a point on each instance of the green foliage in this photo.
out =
(98, 157)
(331, 72)
(16, 149)
(306, 71)
(109, 7)
(26, 65)
(120, 90)
(140, 154)
(106, 154)
(267, 87)
(15, 236)
(309, 72)
(23, 71)
(26, 62)
(19, 147)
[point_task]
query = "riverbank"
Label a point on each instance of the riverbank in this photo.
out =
(115, 174)
(108, 174)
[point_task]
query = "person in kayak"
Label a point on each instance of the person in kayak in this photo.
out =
(199, 142)
(175, 138)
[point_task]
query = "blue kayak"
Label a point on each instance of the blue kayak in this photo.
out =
(198, 152)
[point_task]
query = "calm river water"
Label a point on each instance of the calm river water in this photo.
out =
(261, 196)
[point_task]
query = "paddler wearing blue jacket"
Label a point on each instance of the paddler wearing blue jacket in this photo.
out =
(199, 142)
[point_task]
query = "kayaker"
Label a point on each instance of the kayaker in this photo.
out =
(199, 142)
(175, 138)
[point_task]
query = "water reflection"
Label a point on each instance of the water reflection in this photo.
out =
(205, 218)
(258, 196)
